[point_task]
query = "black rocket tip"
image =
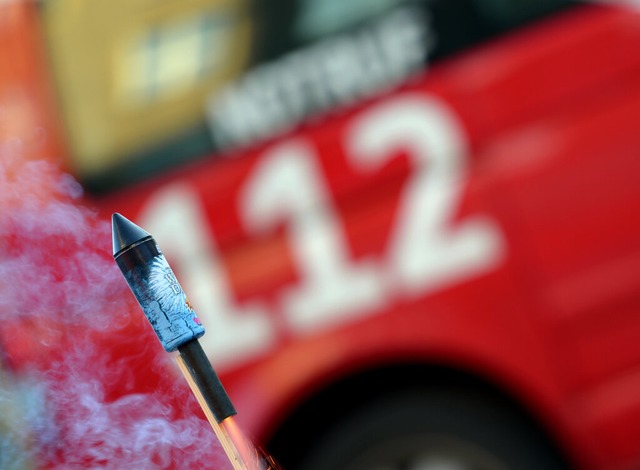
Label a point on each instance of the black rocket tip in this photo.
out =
(124, 233)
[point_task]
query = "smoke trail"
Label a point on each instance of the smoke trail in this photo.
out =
(101, 394)
(54, 252)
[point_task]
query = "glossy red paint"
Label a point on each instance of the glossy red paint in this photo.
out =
(549, 118)
(538, 286)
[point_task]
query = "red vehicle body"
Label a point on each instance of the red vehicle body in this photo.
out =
(473, 233)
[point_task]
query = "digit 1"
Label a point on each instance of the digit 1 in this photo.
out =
(176, 219)
(287, 185)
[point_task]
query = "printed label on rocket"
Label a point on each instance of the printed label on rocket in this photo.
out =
(164, 302)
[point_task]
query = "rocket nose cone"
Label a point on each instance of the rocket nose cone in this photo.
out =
(124, 232)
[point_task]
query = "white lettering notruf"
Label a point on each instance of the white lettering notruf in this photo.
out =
(274, 97)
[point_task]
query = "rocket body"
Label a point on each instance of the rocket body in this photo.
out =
(165, 305)
(154, 285)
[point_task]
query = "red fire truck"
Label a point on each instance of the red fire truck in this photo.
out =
(410, 228)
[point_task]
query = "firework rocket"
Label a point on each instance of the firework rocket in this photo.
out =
(174, 321)
(154, 285)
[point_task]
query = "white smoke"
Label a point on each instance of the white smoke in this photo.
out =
(102, 393)
(54, 252)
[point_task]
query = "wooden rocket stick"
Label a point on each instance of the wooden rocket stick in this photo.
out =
(227, 443)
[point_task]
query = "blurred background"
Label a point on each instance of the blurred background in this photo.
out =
(410, 228)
